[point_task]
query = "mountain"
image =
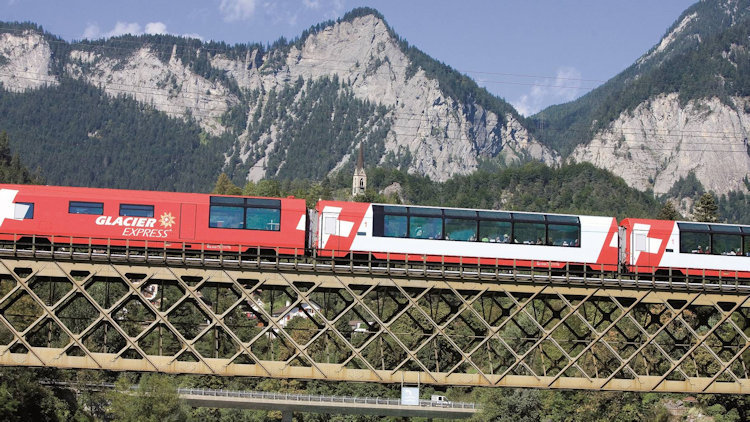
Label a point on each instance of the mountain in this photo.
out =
(159, 111)
(681, 108)
(294, 109)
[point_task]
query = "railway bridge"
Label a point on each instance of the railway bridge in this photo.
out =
(231, 314)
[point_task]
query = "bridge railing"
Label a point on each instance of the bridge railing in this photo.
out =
(242, 256)
(319, 398)
(269, 395)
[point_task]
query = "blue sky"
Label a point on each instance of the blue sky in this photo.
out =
(532, 53)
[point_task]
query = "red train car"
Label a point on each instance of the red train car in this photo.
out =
(489, 237)
(134, 218)
(691, 248)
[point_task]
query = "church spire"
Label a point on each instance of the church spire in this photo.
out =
(360, 159)
(359, 181)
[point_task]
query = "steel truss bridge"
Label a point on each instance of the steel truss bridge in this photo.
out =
(231, 314)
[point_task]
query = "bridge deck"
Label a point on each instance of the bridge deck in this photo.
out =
(460, 325)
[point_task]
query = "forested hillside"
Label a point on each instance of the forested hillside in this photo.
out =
(708, 56)
(80, 136)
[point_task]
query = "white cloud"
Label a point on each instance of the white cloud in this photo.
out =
(311, 4)
(122, 28)
(156, 28)
(565, 87)
(93, 31)
(237, 10)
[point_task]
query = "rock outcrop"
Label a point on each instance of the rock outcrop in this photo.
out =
(25, 60)
(661, 141)
(442, 135)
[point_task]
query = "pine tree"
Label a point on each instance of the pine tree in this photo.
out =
(224, 186)
(668, 212)
(706, 209)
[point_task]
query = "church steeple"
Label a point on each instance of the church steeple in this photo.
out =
(359, 181)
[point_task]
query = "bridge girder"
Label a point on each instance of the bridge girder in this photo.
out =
(347, 327)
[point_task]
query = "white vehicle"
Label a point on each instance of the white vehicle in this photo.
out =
(439, 400)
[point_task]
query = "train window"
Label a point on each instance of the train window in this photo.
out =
(693, 227)
(394, 225)
(134, 210)
(460, 214)
(263, 203)
(394, 210)
(494, 215)
(227, 200)
(461, 229)
(695, 242)
(245, 213)
(529, 218)
(563, 235)
(263, 219)
(78, 207)
(495, 231)
(460, 225)
(425, 227)
(562, 219)
(226, 217)
(24, 211)
(431, 212)
(726, 244)
(747, 246)
(529, 233)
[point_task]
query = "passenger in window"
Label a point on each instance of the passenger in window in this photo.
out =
(506, 238)
(539, 241)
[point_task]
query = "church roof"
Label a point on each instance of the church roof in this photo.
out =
(360, 159)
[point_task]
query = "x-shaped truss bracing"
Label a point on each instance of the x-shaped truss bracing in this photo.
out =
(343, 327)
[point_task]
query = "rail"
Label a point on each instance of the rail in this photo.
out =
(239, 256)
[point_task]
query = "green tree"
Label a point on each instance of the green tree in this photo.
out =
(224, 186)
(11, 169)
(24, 398)
(668, 212)
(706, 209)
(155, 399)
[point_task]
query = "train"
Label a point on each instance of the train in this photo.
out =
(382, 232)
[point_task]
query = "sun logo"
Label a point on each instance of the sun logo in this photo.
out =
(166, 220)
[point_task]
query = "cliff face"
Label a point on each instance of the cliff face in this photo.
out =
(681, 107)
(439, 135)
(442, 137)
(25, 60)
(661, 141)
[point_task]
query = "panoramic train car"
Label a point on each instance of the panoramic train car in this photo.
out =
(469, 236)
(154, 219)
(710, 249)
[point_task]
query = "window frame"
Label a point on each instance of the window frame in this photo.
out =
(480, 218)
(31, 208)
(245, 204)
(85, 205)
(143, 207)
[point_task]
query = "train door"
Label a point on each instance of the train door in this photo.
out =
(642, 249)
(329, 233)
(187, 221)
(622, 250)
